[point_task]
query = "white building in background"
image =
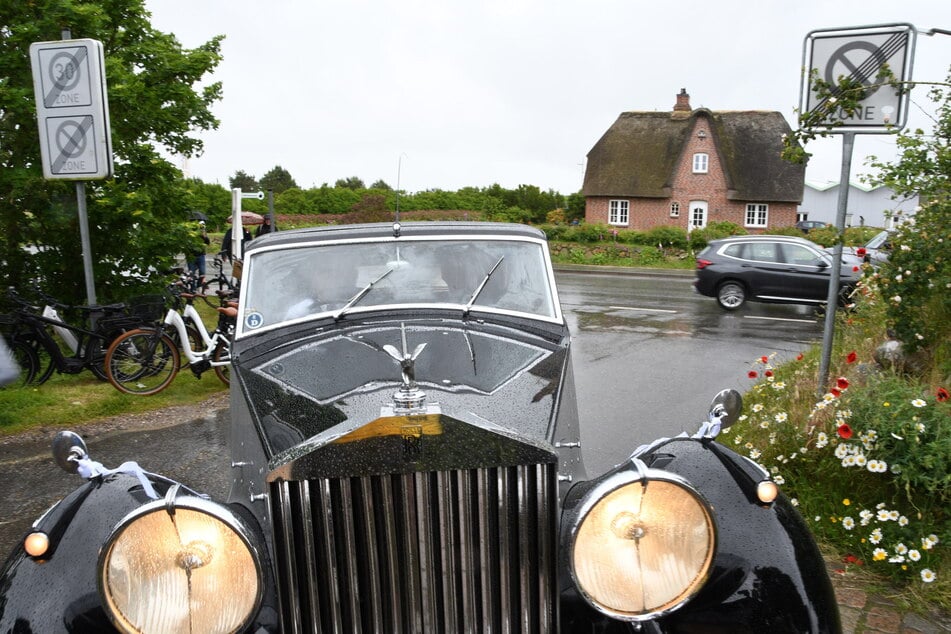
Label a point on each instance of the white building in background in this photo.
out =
(868, 206)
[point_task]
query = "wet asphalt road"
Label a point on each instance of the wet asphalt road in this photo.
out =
(649, 354)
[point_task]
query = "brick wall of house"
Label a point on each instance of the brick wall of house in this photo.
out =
(686, 187)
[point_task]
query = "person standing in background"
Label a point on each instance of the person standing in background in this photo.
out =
(196, 263)
(226, 253)
(264, 228)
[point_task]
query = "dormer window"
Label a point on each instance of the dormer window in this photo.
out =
(701, 163)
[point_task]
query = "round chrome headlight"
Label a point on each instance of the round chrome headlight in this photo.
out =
(642, 547)
(188, 565)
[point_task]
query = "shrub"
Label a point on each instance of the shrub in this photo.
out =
(699, 238)
(648, 256)
(670, 237)
(867, 466)
(916, 279)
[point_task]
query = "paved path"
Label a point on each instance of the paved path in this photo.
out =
(865, 613)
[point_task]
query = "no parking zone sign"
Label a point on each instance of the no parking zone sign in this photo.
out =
(861, 54)
(69, 84)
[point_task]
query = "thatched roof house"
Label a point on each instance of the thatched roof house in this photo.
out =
(650, 160)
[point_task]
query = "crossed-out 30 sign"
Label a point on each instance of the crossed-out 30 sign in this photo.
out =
(72, 110)
(860, 54)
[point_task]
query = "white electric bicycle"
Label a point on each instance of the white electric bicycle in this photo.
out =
(146, 360)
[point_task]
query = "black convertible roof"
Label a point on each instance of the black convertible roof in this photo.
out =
(385, 229)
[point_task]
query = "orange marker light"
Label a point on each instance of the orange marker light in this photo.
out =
(36, 544)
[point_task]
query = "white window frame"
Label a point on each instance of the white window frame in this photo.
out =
(701, 163)
(757, 215)
(619, 212)
(675, 210)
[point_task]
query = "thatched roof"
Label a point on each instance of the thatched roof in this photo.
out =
(638, 155)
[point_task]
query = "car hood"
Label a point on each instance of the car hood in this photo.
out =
(315, 386)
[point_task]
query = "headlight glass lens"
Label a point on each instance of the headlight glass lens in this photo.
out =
(187, 571)
(644, 548)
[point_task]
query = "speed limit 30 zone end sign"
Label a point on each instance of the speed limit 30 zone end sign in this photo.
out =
(72, 109)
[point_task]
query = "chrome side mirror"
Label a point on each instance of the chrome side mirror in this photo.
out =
(726, 407)
(68, 449)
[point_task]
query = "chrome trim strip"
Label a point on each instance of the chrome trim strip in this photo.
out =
(331, 574)
(310, 548)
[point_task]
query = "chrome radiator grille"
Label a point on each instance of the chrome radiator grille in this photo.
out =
(445, 551)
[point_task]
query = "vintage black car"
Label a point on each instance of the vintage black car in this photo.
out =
(407, 458)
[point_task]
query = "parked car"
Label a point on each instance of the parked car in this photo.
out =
(808, 225)
(767, 268)
(875, 251)
(406, 453)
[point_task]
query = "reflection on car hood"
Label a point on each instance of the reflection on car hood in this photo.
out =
(331, 383)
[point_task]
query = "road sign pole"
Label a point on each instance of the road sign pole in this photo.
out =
(828, 333)
(86, 243)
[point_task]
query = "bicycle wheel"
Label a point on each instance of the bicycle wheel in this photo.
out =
(223, 353)
(26, 358)
(45, 362)
(143, 361)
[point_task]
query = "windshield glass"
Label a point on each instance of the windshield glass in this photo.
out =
(301, 282)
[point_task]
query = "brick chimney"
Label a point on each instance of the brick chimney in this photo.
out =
(682, 107)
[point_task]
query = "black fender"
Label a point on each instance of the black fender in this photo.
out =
(57, 591)
(768, 574)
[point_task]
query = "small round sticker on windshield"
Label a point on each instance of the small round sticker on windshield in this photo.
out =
(253, 320)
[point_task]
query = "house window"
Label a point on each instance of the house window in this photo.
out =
(675, 210)
(618, 212)
(757, 215)
(701, 163)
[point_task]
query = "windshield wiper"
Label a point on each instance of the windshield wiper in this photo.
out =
(360, 294)
(481, 286)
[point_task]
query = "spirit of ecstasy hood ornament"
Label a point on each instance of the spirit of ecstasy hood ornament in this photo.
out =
(408, 397)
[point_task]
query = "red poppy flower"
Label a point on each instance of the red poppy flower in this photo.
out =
(942, 395)
(855, 269)
(852, 357)
(752, 374)
(836, 392)
(842, 383)
(800, 357)
(764, 359)
(768, 373)
(852, 559)
(844, 431)
(861, 252)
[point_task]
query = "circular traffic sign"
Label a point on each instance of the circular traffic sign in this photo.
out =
(70, 139)
(853, 61)
(64, 71)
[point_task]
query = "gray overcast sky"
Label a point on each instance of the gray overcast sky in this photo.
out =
(447, 94)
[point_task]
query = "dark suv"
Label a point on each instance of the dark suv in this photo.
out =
(765, 268)
(807, 225)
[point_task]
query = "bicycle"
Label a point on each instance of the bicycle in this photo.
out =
(223, 281)
(146, 360)
(86, 345)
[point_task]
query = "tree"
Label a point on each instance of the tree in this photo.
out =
(278, 179)
(243, 181)
(353, 183)
(381, 184)
(138, 217)
(213, 200)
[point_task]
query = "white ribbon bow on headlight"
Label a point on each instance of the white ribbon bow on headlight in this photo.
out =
(90, 469)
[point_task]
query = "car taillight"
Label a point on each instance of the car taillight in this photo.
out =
(701, 264)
